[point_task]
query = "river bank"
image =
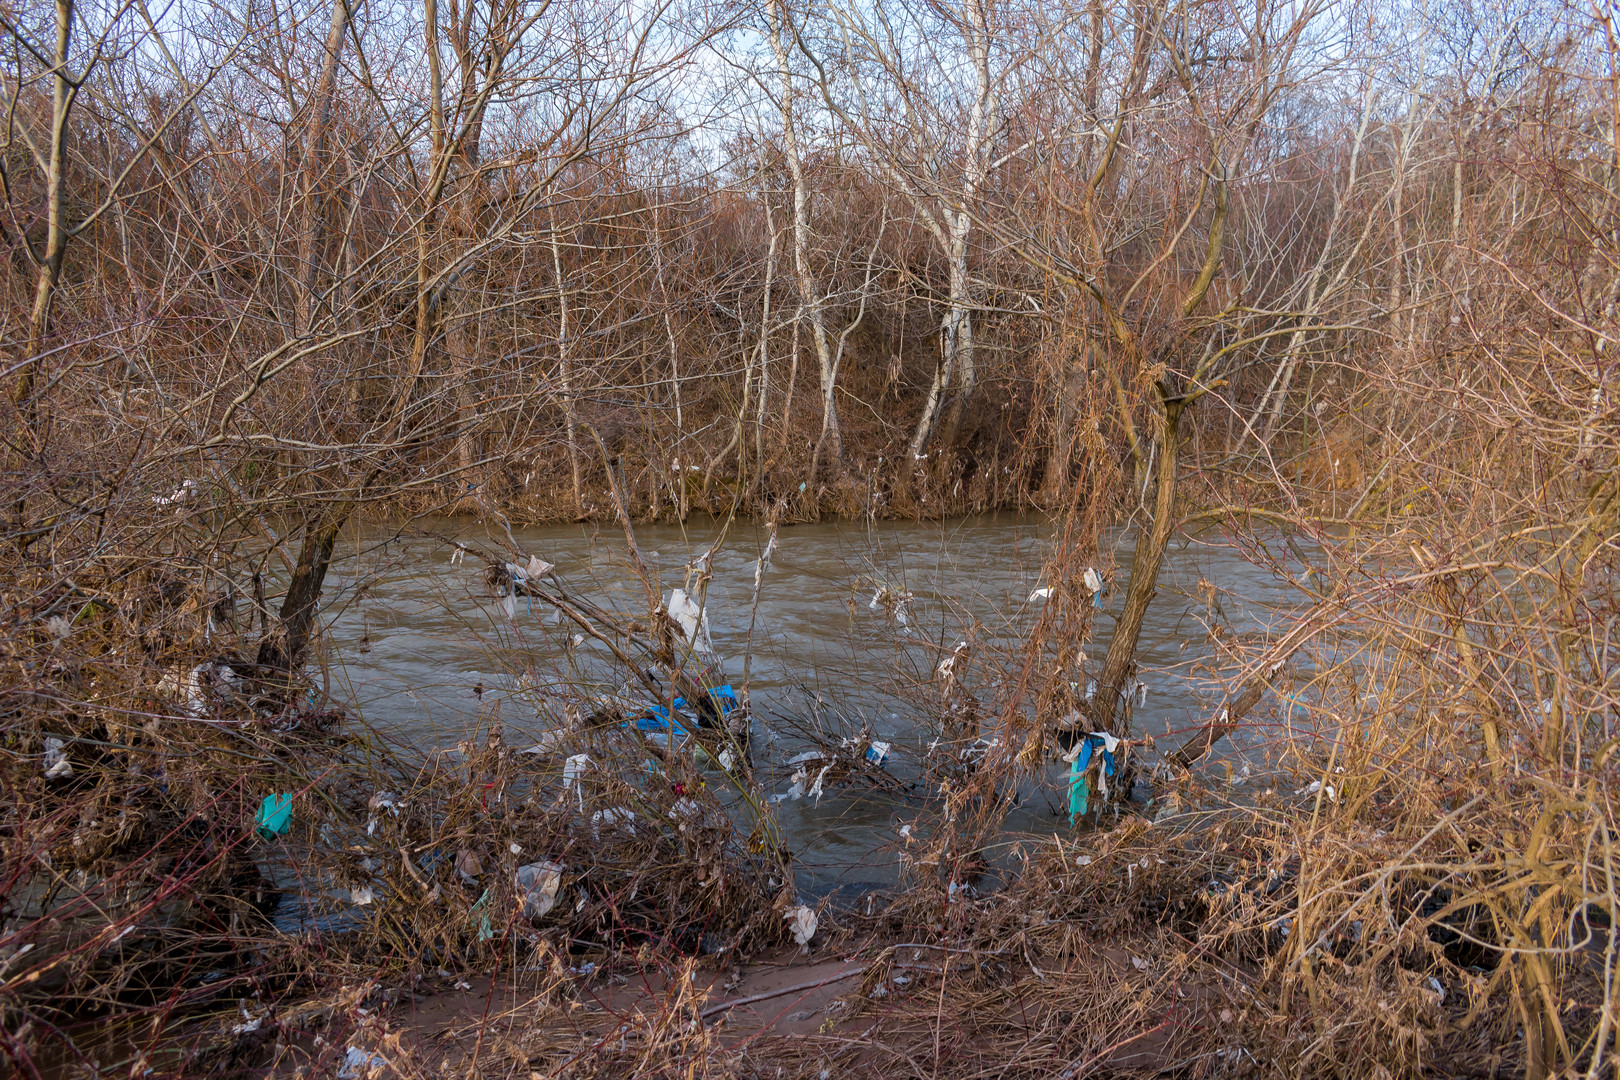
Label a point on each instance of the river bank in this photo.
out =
(1145, 950)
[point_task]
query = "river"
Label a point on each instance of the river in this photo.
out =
(417, 647)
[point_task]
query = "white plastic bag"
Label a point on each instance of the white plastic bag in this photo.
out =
(537, 884)
(802, 924)
(573, 769)
(359, 1064)
(694, 622)
(57, 765)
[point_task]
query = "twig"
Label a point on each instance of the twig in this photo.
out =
(1079, 1068)
(725, 1006)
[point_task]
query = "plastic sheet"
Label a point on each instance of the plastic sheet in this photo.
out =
(660, 721)
(361, 1064)
(613, 817)
(573, 770)
(383, 800)
(814, 790)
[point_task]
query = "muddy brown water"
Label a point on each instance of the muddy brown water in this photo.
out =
(418, 648)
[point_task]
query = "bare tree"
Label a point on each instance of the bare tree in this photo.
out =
(894, 93)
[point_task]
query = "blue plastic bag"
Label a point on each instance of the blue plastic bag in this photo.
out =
(658, 720)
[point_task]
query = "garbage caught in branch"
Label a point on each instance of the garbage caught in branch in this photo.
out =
(57, 765)
(1084, 762)
(1094, 584)
(274, 817)
(181, 494)
(360, 1064)
(896, 602)
(537, 886)
(802, 924)
(694, 622)
(509, 580)
(573, 770)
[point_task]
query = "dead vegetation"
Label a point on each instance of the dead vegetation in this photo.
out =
(1340, 285)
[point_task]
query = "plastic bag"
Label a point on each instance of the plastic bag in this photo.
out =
(573, 770)
(57, 765)
(537, 885)
(1094, 584)
(1081, 759)
(275, 816)
(801, 923)
(359, 1064)
(693, 620)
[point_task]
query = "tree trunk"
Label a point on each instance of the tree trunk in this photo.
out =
(464, 368)
(810, 298)
(959, 336)
(955, 378)
(1060, 460)
(284, 649)
(309, 232)
(1145, 563)
(565, 366)
(764, 355)
(49, 264)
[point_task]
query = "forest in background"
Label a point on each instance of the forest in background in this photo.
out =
(901, 260)
(1322, 271)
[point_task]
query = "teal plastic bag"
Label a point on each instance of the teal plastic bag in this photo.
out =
(485, 930)
(1079, 792)
(275, 816)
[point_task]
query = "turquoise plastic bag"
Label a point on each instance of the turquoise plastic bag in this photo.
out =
(275, 816)
(1079, 784)
(485, 930)
(1079, 793)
